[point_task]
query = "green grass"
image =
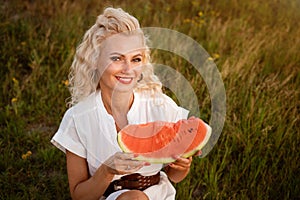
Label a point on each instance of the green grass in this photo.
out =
(256, 48)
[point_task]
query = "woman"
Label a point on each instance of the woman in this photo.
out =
(112, 85)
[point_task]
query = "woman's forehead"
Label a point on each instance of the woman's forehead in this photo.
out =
(123, 44)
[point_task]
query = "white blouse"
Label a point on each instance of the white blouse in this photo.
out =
(89, 131)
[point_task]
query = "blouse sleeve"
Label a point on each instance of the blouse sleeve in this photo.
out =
(174, 111)
(158, 108)
(67, 138)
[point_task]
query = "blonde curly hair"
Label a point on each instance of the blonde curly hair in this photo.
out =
(84, 74)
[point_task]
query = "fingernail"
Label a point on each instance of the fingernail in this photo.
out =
(135, 155)
(147, 163)
(199, 153)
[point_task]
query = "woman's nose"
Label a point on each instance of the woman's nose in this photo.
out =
(126, 65)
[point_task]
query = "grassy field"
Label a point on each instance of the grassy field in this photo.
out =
(255, 45)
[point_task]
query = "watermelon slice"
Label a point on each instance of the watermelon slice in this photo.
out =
(159, 141)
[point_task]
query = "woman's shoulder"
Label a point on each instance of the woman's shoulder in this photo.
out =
(83, 107)
(156, 99)
(159, 107)
(86, 105)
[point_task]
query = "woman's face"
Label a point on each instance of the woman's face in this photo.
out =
(120, 62)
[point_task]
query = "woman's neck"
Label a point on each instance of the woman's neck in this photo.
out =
(117, 104)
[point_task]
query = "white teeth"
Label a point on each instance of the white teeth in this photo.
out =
(124, 79)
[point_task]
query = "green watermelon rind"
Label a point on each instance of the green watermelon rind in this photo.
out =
(169, 159)
(122, 146)
(201, 145)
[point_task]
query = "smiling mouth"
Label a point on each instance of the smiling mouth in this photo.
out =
(124, 80)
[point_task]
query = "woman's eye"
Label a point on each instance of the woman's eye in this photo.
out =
(115, 58)
(137, 60)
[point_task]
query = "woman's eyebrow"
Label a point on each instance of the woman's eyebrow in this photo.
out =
(116, 53)
(120, 54)
(139, 54)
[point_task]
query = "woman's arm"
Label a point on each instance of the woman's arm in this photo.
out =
(179, 169)
(82, 186)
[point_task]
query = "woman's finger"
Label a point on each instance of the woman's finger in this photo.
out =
(198, 153)
(122, 163)
(125, 163)
(181, 163)
(124, 156)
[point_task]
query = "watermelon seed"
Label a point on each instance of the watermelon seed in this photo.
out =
(190, 130)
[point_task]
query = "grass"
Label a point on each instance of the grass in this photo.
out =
(255, 45)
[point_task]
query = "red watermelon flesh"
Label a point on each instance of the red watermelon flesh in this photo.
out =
(159, 141)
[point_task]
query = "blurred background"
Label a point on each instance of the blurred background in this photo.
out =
(255, 45)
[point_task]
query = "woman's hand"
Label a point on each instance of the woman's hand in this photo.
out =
(179, 169)
(181, 164)
(123, 163)
(184, 163)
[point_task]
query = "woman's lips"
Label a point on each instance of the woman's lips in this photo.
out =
(124, 80)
